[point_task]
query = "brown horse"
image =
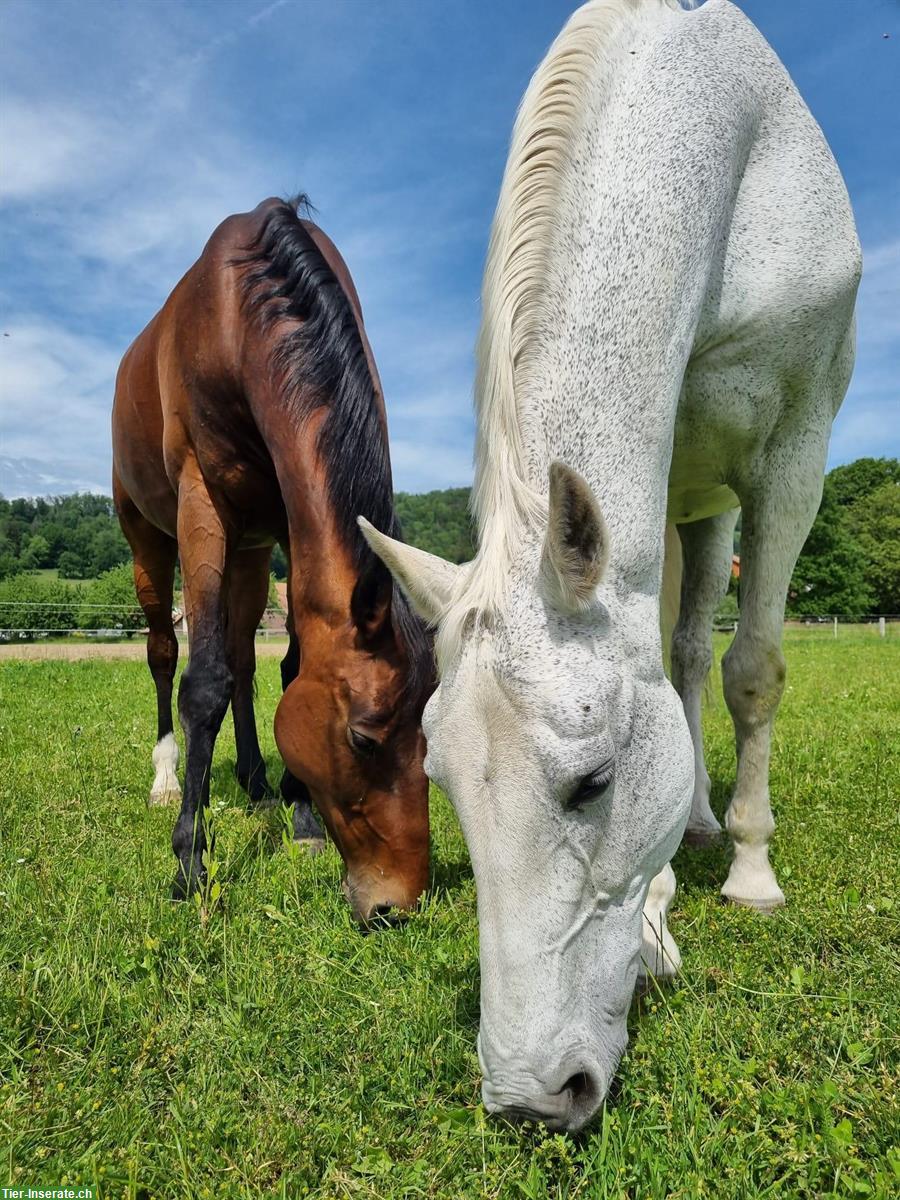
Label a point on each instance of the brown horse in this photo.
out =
(249, 412)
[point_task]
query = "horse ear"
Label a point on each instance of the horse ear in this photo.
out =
(370, 603)
(426, 579)
(576, 547)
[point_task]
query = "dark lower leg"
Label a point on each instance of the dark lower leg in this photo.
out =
(162, 655)
(306, 826)
(155, 554)
(248, 590)
(250, 767)
(205, 688)
(202, 701)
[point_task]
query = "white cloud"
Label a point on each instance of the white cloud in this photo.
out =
(56, 392)
(49, 148)
(117, 167)
(419, 467)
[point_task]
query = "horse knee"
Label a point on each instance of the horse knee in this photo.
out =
(753, 681)
(204, 695)
(162, 653)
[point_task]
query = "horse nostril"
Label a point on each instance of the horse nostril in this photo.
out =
(385, 916)
(582, 1088)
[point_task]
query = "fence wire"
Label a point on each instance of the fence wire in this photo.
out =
(23, 619)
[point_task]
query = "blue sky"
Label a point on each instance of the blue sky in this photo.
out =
(130, 129)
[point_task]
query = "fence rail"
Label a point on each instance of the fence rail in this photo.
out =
(25, 619)
(21, 620)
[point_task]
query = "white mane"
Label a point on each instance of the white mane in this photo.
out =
(505, 503)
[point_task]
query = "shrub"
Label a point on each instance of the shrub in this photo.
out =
(110, 602)
(30, 605)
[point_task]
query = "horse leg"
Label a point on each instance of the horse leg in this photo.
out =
(205, 687)
(706, 553)
(248, 592)
(779, 507)
(706, 550)
(154, 554)
(307, 830)
(660, 956)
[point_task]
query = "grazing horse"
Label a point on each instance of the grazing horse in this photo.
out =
(249, 412)
(667, 330)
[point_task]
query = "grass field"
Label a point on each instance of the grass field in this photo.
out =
(271, 1050)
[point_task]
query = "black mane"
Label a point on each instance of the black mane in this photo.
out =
(321, 362)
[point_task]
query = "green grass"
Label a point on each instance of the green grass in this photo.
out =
(273, 1050)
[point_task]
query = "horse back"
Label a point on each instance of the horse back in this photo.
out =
(182, 391)
(773, 347)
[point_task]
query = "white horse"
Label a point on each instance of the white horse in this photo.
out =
(667, 329)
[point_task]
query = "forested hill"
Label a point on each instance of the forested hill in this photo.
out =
(849, 566)
(438, 522)
(79, 535)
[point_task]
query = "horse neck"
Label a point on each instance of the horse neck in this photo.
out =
(321, 583)
(322, 569)
(615, 315)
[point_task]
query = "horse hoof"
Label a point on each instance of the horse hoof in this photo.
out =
(647, 983)
(183, 889)
(265, 801)
(313, 845)
(164, 797)
(765, 905)
(702, 839)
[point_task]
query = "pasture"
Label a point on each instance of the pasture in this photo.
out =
(264, 1047)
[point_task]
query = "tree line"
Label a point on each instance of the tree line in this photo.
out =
(849, 566)
(850, 563)
(76, 535)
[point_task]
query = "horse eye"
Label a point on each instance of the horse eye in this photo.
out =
(363, 745)
(592, 787)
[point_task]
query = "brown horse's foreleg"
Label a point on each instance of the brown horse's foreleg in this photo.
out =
(248, 592)
(155, 554)
(307, 829)
(205, 687)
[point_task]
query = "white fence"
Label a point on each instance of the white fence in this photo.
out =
(26, 620)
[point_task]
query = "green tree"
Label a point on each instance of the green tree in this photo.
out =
(852, 481)
(829, 578)
(874, 520)
(73, 565)
(36, 554)
(439, 522)
(108, 549)
(278, 562)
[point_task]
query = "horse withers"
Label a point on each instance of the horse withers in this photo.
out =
(667, 330)
(249, 412)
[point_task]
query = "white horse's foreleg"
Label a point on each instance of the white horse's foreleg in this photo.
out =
(660, 956)
(777, 518)
(166, 789)
(707, 550)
